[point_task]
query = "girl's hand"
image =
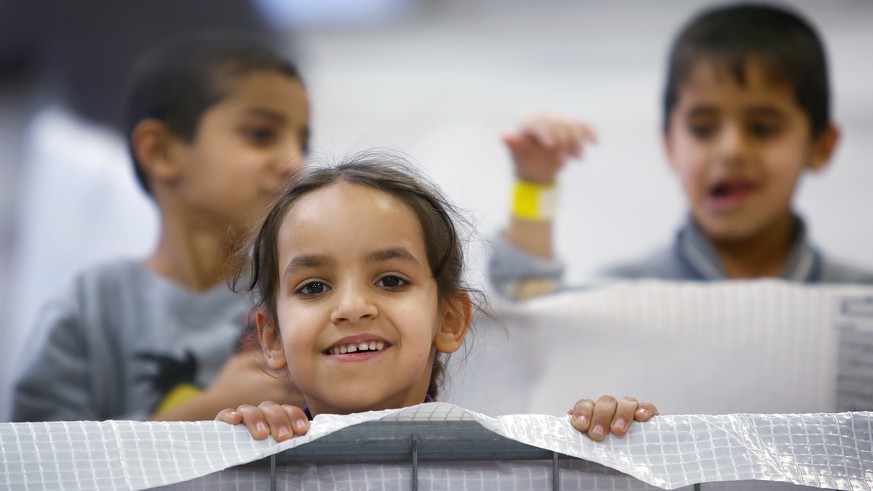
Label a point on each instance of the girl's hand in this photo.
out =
(609, 415)
(268, 418)
(542, 145)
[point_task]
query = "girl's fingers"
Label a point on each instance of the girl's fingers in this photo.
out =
(277, 419)
(625, 413)
(601, 418)
(268, 419)
(254, 419)
(645, 411)
(229, 415)
(298, 419)
(580, 415)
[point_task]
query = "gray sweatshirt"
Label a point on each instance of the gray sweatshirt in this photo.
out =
(119, 338)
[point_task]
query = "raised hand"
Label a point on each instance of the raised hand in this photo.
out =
(544, 143)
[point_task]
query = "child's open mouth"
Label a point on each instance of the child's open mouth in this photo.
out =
(729, 195)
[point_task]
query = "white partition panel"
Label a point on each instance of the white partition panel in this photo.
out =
(715, 348)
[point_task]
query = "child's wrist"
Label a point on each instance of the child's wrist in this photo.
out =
(534, 202)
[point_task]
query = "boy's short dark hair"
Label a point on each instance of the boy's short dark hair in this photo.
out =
(781, 41)
(183, 77)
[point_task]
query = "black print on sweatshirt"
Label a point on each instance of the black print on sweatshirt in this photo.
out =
(168, 372)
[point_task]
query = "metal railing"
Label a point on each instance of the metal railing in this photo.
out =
(413, 442)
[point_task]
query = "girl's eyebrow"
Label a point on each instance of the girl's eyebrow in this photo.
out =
(393, 253)
(307, 261)
(316, 260)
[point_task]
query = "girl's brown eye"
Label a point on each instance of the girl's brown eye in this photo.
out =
(313, 288)
(391, 281)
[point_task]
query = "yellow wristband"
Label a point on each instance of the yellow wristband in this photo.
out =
(534, 202)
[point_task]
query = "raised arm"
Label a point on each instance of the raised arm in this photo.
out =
(540, 148)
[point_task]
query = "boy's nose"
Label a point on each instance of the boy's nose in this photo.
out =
(288, 159)
(732, 145)
(354, 306)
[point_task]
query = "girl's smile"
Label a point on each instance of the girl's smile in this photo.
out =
(361, 347)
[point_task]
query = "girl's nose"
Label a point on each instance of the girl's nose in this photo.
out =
(354, 306)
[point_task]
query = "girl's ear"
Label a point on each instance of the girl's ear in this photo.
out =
(457, 316)
(151, 142)
(823, 147)
(271, 341)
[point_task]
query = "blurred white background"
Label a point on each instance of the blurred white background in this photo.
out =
(441, 80)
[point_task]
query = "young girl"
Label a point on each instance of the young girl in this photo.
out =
(357, 277)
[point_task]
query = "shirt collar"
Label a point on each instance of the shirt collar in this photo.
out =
(699, 257)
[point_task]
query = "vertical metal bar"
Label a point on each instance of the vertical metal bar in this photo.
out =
(697, 487)
(273, 472)
(414, 462)
(556, 473)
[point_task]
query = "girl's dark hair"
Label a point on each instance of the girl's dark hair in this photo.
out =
(392, 174)
(785, 45)
(183, 77)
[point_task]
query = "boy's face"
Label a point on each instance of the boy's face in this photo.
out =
(739, 150)
(246, 147)
(353, 272)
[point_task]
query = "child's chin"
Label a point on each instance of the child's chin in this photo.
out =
(359, 404)
(727, 229)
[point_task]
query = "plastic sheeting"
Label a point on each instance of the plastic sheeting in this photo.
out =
(824, 450)
(762, 346)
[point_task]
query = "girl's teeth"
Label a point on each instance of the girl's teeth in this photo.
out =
(353, 348)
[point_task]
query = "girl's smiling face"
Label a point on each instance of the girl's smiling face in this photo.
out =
(359, 320)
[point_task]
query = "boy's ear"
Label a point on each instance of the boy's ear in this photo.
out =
(271, 341)
(151, 142)
(823, 147)
(456, 318)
